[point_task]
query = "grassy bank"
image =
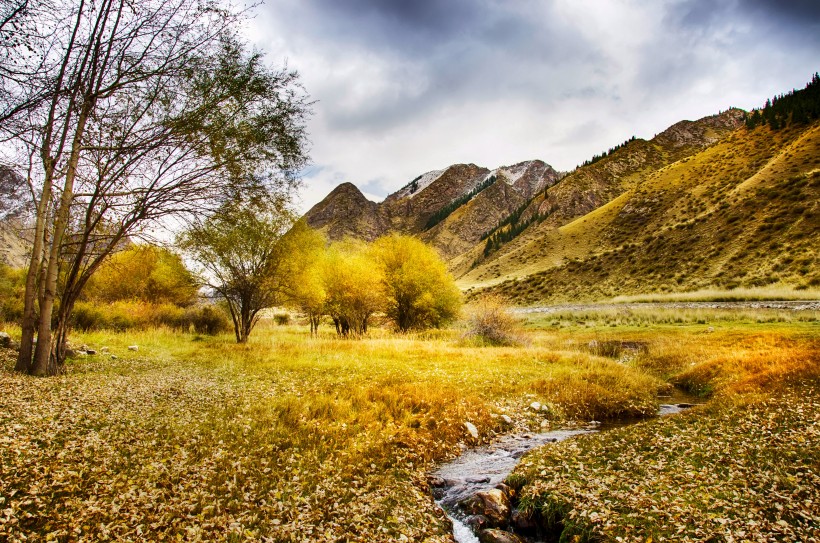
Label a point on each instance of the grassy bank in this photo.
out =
(745, 467)
(290, 438)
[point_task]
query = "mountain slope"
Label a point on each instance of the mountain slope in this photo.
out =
(743, 212)
(345, 212)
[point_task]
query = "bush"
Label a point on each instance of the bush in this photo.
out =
(490, 322)
(207, 319)
(12, 285)
(281, 319)
(88, 317)
(131, 315)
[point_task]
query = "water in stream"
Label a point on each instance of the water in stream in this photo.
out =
(484, 467)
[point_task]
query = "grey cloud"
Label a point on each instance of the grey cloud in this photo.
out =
(801, 12)
(454, 50)
(397, 68)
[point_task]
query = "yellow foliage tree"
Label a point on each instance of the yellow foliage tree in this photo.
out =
(307, 291)
(351, 283)
(143, 272)
(419, 292)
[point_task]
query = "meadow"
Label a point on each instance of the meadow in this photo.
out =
(293, 438)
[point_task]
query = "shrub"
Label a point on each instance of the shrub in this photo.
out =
(207, 319)
(12, 284)
(88, 317)
(281, 319)
(490, 322)
(146, 273)
(128, 315)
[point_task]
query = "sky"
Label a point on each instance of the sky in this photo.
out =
(405, 87)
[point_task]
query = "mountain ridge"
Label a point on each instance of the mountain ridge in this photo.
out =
(718, 202)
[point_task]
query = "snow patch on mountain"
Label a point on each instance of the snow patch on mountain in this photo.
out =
(513, 173)
(418, 185)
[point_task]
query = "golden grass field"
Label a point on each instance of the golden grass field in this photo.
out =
(292, 438)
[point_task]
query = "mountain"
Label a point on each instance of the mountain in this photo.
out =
(742, 212)
(14, 247)
(725, 201)
(442, 206)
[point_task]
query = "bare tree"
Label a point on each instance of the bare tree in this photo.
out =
(153, 109)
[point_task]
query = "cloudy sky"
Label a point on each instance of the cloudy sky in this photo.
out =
(404, 87)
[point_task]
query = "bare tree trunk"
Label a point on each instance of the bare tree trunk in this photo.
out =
(34, 277)
(29, 321)
(47, 360)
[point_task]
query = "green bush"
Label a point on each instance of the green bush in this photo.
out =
(206, 319)
(281, 319)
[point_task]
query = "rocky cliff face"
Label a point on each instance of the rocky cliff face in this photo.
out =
(14, 208)
(346, 212)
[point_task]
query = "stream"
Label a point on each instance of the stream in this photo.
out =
(485, 467)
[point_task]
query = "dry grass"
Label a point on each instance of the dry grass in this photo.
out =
(746, 467)
(290, 438)
(742, 470)
(774, 292)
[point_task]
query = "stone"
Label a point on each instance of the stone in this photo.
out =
(114, 357)
(498, 536)
(133, 347)
(477, 523)
(507, 490)
(90, 351)
(545, 423)
(492, 504)
(522, 523)
(535, 406)
(104, 349)
(477, 480)
(70, 353)
(5, 340)
(434, 481)
(471, 429)
(507, 419)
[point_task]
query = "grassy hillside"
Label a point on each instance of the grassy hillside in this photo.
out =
(742, 212)
(589, 189)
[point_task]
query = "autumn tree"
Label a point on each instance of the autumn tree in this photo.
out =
(144, 272)
(351, 283)
(307, 292)
(123, 114)
(419, 292)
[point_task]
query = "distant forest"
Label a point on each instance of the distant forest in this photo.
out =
(797, 107)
